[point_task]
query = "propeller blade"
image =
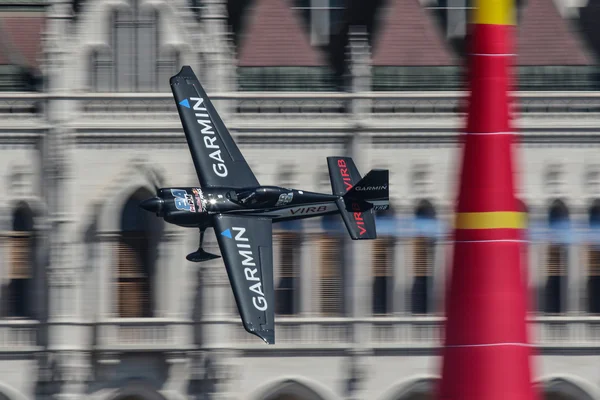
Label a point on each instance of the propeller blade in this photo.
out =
(153, 179)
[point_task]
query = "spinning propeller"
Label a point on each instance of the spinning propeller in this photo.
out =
(153, 179)
(154, 204)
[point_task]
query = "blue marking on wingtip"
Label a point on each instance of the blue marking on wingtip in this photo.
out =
(185, 103)
(226, 233)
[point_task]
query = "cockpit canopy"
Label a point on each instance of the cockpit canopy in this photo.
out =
(266, 196)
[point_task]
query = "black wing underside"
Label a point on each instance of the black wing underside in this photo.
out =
(217, 158)
(246, 247)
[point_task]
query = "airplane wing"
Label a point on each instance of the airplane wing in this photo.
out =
(217, 159)
(247, 248)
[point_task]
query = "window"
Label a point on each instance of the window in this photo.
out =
(383, 266)
(423, 248)
(423, 259)
(18, 293)
(288, 284)
(556, 261)
(593, 287)
(289, 238)
(136, 252)
(135, 62)
(331, 261)
(330, 280)
(555, 278)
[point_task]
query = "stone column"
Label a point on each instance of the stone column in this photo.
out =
(104, 275)
(400, 279)
(308, 264)
(538, 257)
(577, 269)
(443, 253)
(358, 288)
(360, 251)
(220, 55)
(68, 331)
(216, 298)
(359, 54)
(533, 262)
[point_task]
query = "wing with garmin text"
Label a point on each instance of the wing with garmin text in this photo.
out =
(246, 247)
(217, 158)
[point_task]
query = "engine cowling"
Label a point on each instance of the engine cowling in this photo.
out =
(180, 206)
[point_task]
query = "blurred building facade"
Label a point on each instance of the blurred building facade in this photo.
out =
(97, 299)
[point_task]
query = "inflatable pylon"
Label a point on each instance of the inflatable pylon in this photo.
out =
(486, 354)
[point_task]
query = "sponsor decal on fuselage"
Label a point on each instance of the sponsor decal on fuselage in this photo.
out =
(381, 207)
(308, 210)
(183, 201)
(200, 201)
(190, 200)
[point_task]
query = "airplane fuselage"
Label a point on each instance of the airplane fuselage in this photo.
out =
(193, 207)
(232, 201)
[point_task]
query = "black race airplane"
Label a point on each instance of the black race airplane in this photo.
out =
(242, 212)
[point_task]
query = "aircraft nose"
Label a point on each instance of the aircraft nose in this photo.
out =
(153, 205)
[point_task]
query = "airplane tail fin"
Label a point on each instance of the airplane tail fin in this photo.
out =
(361, 197)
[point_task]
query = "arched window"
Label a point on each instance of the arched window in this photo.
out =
(331, 261)
(136, 63)
(131, 397)
(423, 258)
(383, 264)
(137, 254)
(287, 237)
(290, 390)
(562, 389)
(556, 260)
(422, 389)
(593, 289)
(287, 288)
(418, 396)
(18, 294)
(4, 397)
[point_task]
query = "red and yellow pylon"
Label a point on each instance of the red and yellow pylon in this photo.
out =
(486, 353)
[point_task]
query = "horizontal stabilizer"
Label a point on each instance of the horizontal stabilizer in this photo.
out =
(360, 224)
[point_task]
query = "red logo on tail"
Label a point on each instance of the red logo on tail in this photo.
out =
(345, 174)
(348, 184)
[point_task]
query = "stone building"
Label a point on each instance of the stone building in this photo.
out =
(97, 298)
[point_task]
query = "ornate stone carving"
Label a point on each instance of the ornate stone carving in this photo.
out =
(20, 181)
(356, 372)
(211, 372)
(62, 372)
(592, 179)
(553, 179)
(420, 179)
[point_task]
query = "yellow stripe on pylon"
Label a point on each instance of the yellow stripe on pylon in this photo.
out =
(491, 220)
(494, 12)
